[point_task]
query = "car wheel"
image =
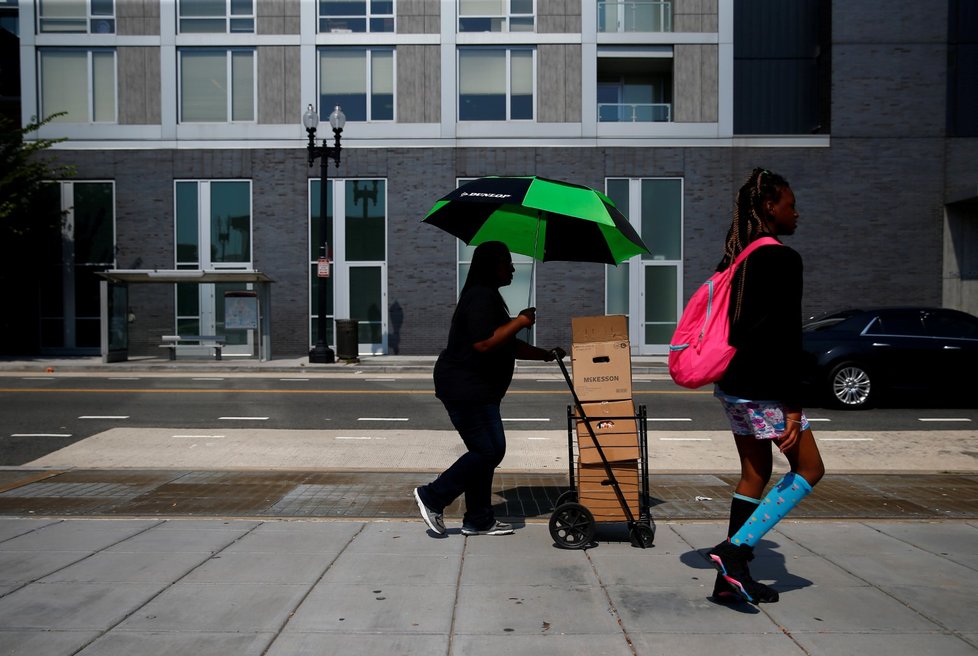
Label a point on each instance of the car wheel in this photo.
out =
(850, 385)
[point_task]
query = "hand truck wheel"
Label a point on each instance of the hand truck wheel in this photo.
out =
(641, 535)
(572, 526)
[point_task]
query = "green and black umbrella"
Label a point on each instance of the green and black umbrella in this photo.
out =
(545, 219)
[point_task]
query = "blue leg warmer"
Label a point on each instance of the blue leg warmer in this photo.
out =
(779, 501)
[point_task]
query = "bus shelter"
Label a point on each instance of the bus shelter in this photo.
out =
(115, 303)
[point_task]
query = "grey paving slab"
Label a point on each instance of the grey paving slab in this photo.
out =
(915, 567)
(373, 569)
(170, 540)
(773, 643)
(533, 609)
(949, 608)
(844, 537)
(387, 608)
(890, 644)
(44, 641)
(88, 535)
(686, 609)
(405, 538)
(215, 608)
(261, 567)
(129, 567)
(209, 524)
(538, 645)
(319, 644)
(11, 528)
(848, 610)
(19, 567)
(955, 540)
(125, 643)
(545, 566)
(75, 606)
(296, 537)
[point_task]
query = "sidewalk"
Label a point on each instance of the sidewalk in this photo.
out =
(289, 588)
(320, 571)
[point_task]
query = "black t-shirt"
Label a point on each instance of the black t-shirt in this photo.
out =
(767, 335)
(461, 372)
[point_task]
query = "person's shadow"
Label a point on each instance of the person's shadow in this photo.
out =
(768, 565)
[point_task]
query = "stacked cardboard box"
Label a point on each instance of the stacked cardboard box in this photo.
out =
(602, 375)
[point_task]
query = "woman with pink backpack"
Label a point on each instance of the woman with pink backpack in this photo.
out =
(760, 388)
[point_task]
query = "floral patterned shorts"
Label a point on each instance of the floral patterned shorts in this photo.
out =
(762, 419)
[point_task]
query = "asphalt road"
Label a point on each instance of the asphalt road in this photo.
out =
(41, 414)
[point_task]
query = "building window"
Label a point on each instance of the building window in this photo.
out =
(356, 16)
(634, 16)
(360, 80)
(217, 86)
(495, 16)
(216, 16)
(80, 83)
(782, 67)
(76, 16)
(635, 86)
(74, 254)
(495, 84)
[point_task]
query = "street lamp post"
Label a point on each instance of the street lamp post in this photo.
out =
(322, 353)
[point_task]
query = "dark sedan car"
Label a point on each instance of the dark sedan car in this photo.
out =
(856, 356)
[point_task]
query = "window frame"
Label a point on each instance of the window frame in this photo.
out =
(89, 17)
(505, 18)
(90, 87)
(228, 17)
(326, 107)
(508, 50)
(228, 80)
(368, 17)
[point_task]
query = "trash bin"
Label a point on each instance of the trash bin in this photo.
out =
(347, 339)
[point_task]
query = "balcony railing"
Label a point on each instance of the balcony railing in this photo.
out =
(634, 112)
(634, 16)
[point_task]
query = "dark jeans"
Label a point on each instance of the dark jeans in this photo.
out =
(481, 428)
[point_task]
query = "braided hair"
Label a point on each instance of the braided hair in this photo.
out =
(748, 218)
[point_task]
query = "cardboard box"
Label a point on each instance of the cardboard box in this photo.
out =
(601, 362)
(597, 495)
(616, 433)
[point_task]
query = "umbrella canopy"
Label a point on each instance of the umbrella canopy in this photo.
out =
(545, 219)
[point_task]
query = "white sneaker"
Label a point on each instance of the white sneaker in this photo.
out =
(499, 528)
(435, 521)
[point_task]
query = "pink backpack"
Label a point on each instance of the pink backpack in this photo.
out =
(699, 352)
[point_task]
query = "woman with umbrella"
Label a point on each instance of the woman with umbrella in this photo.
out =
(471, 376)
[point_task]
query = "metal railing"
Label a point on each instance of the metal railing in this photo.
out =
(634, 112)
(634, 16)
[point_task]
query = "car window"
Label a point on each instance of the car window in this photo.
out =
(897, 323)
(943, 324)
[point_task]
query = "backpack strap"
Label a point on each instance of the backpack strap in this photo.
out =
(757, 243)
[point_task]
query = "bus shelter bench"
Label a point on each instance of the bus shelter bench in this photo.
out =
(171, 342)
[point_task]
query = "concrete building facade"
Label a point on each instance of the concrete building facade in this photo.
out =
(184, 126)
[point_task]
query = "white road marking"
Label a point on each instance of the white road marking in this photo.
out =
(104, 417)
(206, 378)
(39, 378)
(814, 419)
(123, 378)
(538, 438)
(669, 418)
(526, 419)
(382, 419)
(379, 380)
(943, 419)
(245, 418)
(298, 380)
(40, 435)
(358, 437)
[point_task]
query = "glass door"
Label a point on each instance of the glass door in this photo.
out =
(649, 289)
